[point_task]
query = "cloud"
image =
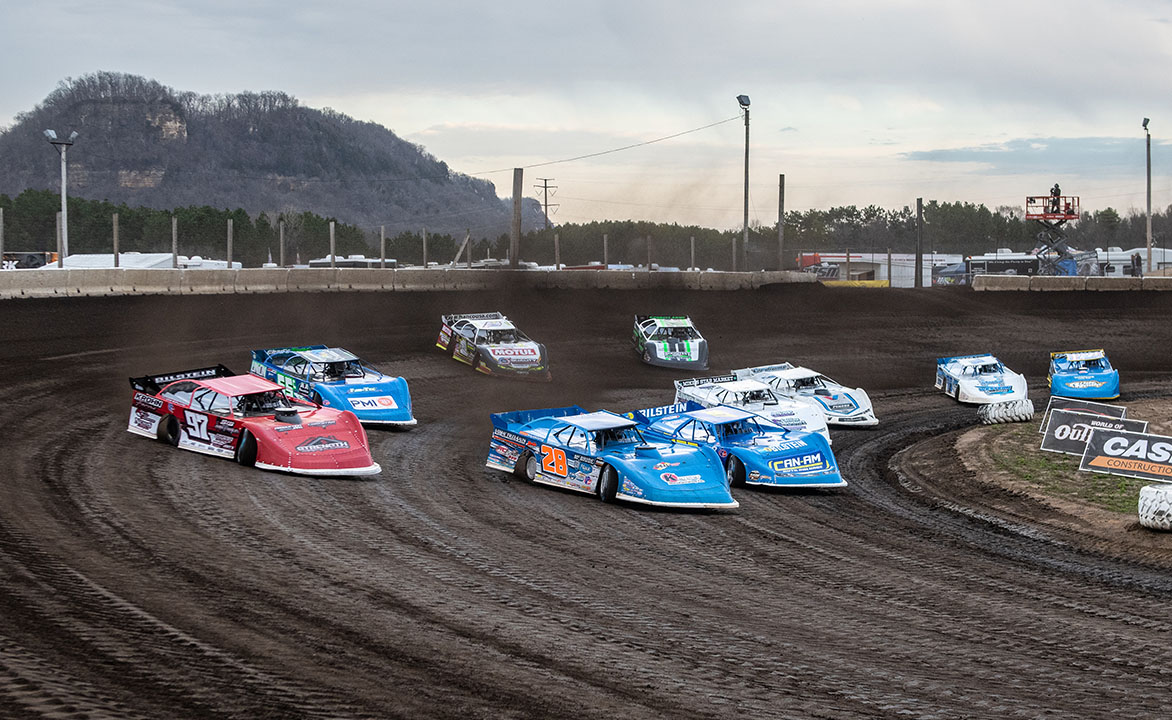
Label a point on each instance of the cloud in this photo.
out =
(1103, 156)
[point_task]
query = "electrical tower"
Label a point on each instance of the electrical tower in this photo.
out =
(545, 187)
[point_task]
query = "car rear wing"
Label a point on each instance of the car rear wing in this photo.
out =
(153, 383)
(693, 382)
(265, 354)
(647, 416)
(449, 319)
(945, 360)
(644, 318)
(748, 373)
(518, 417)
(1079, 354)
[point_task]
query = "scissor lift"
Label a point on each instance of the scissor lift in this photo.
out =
(1052, 212)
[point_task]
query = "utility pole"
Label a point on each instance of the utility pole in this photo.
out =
(781, 222)
(515, 230)
(919, 282)
(545, 187)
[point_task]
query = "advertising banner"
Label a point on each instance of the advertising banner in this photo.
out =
(1137, 455)
(1068, 431)
(1085, 406)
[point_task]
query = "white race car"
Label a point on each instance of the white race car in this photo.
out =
(841, 405)
(979, 379)
(755, 397)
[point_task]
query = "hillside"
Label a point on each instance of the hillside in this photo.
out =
(142, 143)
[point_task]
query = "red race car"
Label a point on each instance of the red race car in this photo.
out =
(216, 412)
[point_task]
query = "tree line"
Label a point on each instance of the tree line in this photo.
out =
(955, 228)
(30, 224)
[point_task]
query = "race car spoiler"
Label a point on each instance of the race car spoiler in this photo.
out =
(312, 353)
(645, 318)
(693, 382)
(982, 356)
(518, 417)
(153, 383)
(449, 319)
(648, 415)
(1078, 354)
(744, 373)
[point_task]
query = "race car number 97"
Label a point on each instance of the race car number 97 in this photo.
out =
(553, 461)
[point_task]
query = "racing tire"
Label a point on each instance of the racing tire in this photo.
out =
(169, 431)
(246, 450)
(647, 356)
(735, 472)
(608, 484)
(526, 467)
(1006, 412)
(1155, 507)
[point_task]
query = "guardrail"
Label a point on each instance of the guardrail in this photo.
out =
(41, 282)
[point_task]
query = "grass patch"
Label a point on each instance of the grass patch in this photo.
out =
(1014, 449)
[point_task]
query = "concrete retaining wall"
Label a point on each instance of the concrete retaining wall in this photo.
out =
(133, 281)
(262, 280)
(1114, 283)
(1051, 282)
(1001, 282)
(1157, 283)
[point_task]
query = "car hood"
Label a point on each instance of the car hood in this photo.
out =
(515, 354)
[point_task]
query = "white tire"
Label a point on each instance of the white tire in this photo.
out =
(1155, 506)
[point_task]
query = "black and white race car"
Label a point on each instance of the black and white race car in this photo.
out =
(493, 345)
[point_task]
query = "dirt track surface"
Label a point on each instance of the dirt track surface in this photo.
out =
(140, 581)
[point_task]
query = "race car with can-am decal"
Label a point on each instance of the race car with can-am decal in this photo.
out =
(754, 450)
(215, 412)
(670, 341)
(841, 405)
(491, 344)
(1083, 374)
(756, 397)
(979, 379)
(604, 454)
(338, 379)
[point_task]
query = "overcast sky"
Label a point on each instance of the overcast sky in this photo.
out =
(857, 103)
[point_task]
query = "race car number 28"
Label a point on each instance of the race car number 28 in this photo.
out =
(553, 461)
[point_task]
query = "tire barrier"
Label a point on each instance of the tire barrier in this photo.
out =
(1006, 412)
(1155, 507)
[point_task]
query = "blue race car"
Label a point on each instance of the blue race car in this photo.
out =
(336, 378)
(754, 450)
(604, 454)
(1083, 374)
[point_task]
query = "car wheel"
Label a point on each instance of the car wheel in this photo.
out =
(169, 431)
(735, 472)
(646, 356)
(246, 450)
(608, 484)
(526, 467)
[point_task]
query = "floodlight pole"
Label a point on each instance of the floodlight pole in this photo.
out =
(1148, 133)
(62, 147)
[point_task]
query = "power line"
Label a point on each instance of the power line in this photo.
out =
(608, 152)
